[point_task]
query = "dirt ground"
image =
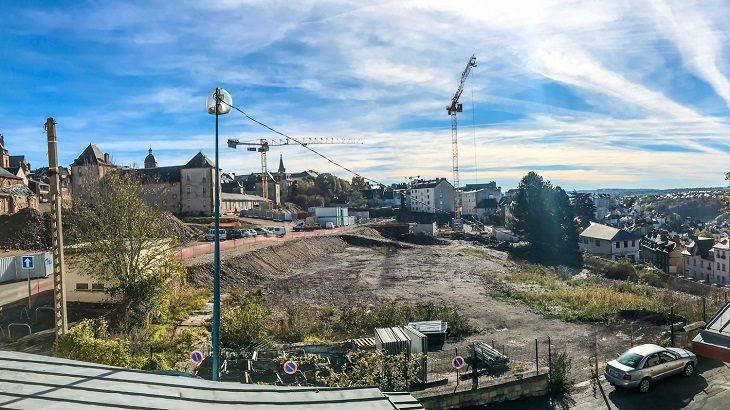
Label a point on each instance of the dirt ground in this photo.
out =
(320, 271)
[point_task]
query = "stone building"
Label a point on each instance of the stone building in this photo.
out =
(90, 167)
(609, 242)
(14, 192)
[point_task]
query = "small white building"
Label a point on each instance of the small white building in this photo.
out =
(609, 242)
(338, 215)
(698, 259)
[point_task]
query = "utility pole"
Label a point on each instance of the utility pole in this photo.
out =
(59, 288)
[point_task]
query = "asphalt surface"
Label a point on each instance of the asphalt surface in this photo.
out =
(708, 389)
(15, 291)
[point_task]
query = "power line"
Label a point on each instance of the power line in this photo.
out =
(326, 157)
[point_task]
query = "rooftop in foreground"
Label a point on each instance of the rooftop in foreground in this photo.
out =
(33, 382)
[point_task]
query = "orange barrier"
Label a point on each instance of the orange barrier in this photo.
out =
(198, 249)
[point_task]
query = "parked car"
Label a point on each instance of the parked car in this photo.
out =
(247, 233)
(277, 230)
(234, 233)
(210, 234)
(641, 366)
(262, 231)
(329, 225)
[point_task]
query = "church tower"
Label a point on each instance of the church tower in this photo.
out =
(282, 170)
(150, 161)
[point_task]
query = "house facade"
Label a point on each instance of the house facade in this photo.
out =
(430, 196)
(90, 167)
(662, 252)
(609, 242)
(14, 192)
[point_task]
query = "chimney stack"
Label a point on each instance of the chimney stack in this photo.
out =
(106, 157)
(2, 140)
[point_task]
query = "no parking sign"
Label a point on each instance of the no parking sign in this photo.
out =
(290, 367)
(457, 362)
(197, 357)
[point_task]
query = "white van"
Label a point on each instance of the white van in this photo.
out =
(277, 230)
(210, 234)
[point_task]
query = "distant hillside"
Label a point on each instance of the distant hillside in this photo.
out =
(647, 191)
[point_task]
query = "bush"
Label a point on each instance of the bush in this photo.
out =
(377, 369)
(88, 341)
(621, 269)
(243, 322)
(652, 277)
(560, 382)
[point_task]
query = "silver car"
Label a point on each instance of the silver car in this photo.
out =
(643, 365)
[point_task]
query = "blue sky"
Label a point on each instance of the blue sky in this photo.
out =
(589, 94)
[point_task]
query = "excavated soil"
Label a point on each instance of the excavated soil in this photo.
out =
(26, 229)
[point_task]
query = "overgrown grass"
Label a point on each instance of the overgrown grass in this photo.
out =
(569, 299)
(246, 320)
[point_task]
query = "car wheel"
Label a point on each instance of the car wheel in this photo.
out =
(645, 385)
(689, 369)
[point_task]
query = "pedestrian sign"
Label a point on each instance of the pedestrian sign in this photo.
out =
(290, 367)
(197, 357)
(457, 362)
(26, 262)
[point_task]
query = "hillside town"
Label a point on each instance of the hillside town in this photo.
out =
(365, 205)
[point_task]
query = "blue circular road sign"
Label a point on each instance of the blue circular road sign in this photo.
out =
(457, 362)
(290, 367)
(197, 357)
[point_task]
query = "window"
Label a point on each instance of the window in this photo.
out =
(187, 176)
(82, 286)
(203, 188)
(188, 189)
(652, 360)
(598, 243)
(618, 245)
(667, 357)
(633, 243)
(97, 286)
(626, 244)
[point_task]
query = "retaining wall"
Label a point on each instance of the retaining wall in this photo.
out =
(532, 386)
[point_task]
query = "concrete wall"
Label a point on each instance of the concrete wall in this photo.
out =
(533, 386)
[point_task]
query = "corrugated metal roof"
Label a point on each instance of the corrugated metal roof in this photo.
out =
(33, 381)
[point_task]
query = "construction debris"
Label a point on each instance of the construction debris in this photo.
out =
(26, 229)
(489, 356)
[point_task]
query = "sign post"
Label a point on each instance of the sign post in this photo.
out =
(27, 264)
(457, 363)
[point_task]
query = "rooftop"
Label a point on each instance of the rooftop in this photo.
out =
(34, 382)
(606, 233)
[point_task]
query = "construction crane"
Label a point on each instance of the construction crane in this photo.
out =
(263, 145)
(453, 108)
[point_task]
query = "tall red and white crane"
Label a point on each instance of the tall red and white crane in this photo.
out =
(453, 108)
(262, 145)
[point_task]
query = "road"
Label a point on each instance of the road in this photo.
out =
(15, 291)
(707, 389)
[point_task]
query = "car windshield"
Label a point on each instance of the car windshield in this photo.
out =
(630, 359)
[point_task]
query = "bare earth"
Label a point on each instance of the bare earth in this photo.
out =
(332, 272)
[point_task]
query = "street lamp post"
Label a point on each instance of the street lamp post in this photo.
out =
(218, 103)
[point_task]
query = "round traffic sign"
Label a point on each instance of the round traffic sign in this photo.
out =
(196, 356)
(457, 362)
(290, 367)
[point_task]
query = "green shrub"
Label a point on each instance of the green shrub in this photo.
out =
(652, 277)
(243, 322)
(374, 368)
(88, 341)
(560, 381)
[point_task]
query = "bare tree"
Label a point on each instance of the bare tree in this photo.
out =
(126, 244)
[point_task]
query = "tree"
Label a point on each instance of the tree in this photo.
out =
(584, 207)
(359, 183)
(542, 215)
(357, 201)
(126, 244)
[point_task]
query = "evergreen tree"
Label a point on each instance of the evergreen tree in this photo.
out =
(543, 216)
(584, 207)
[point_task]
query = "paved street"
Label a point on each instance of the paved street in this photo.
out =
(14, 291)
(709, 388)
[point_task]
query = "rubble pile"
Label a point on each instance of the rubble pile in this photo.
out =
(185, 232)
(26, 229)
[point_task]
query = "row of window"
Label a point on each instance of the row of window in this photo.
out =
(95, 287)
(626, 244)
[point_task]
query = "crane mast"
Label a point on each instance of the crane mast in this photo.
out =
(262, 145)
(452, 109)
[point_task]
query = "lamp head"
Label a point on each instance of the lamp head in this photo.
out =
(225, 101)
